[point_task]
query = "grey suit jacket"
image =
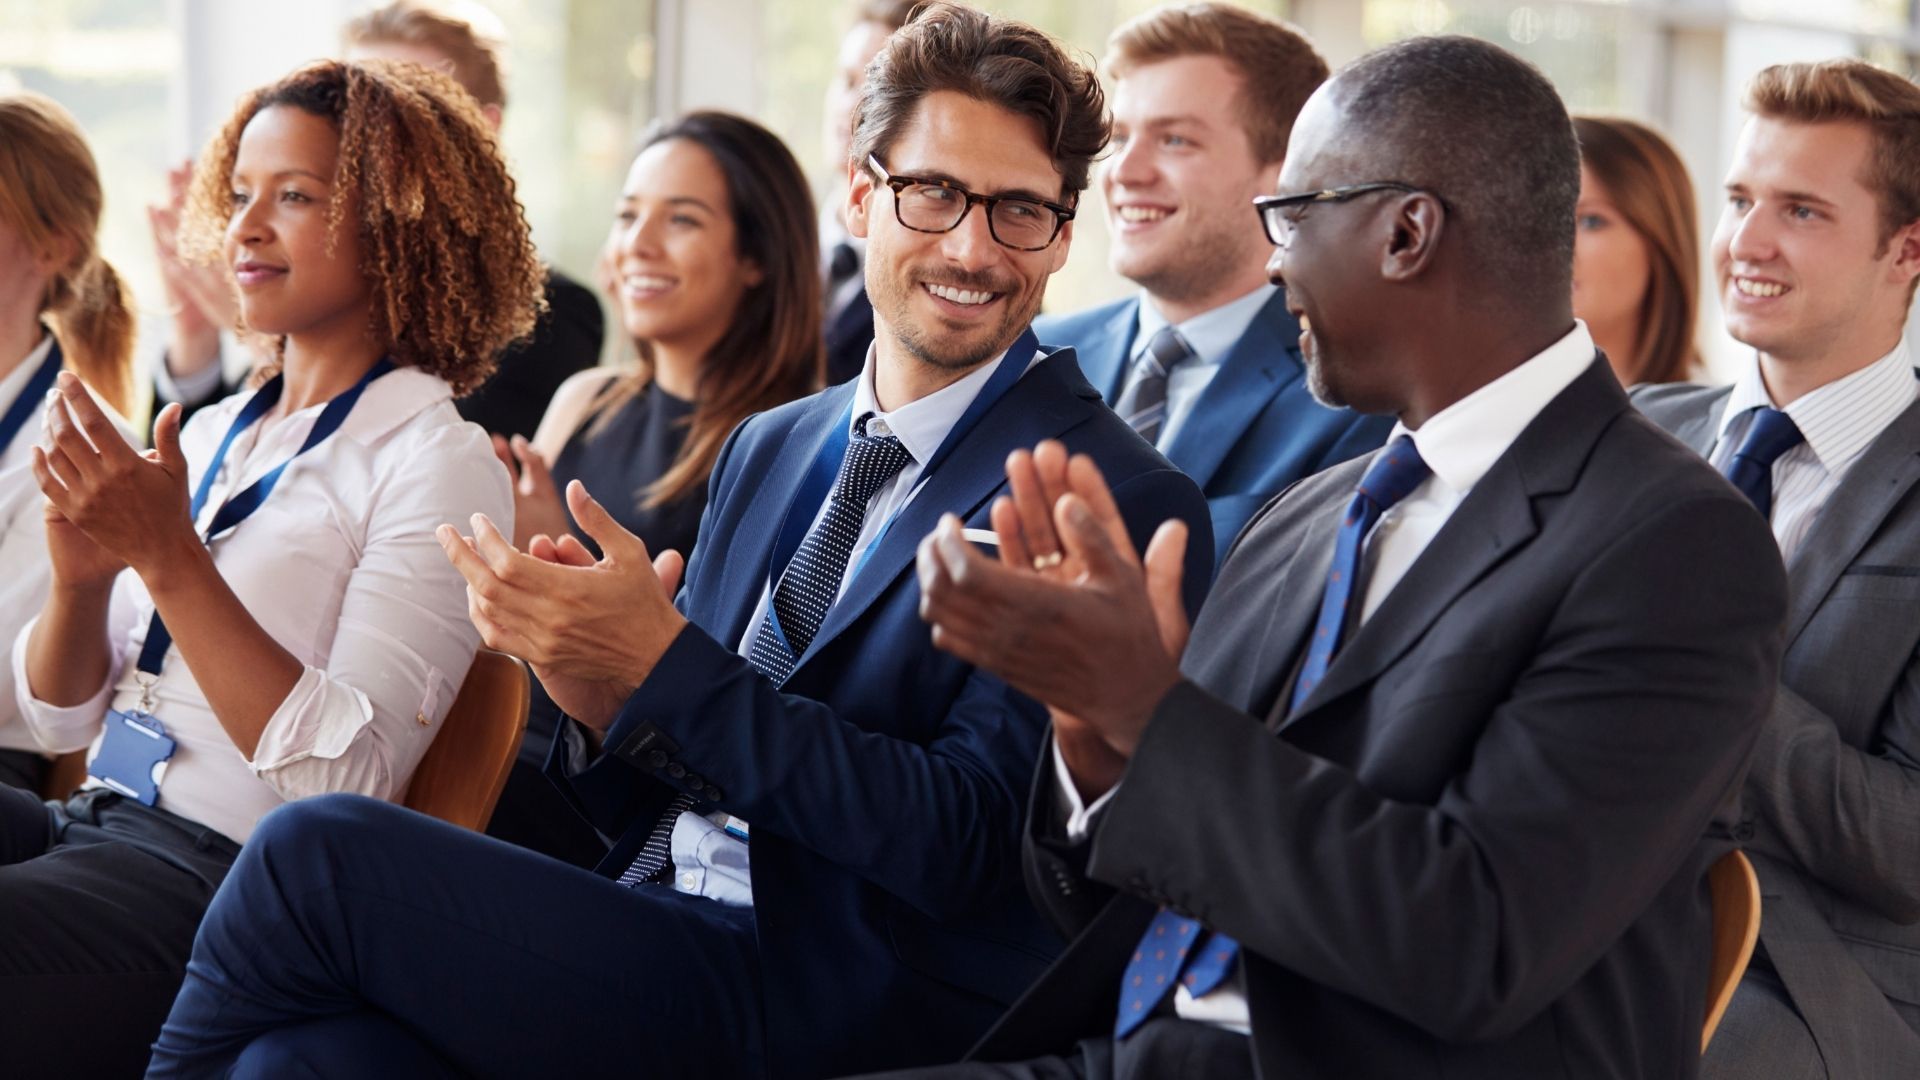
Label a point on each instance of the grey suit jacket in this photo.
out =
(1832, 807)
(1478, 848)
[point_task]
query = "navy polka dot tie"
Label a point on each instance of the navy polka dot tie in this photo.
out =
(1770, 434)
(1174, 946)
(801, 600)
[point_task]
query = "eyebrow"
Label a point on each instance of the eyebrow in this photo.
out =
(1788, 196)
(949, 178)
(673, 200)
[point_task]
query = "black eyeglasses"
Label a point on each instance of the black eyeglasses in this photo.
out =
(936, 206)
(1278, 222)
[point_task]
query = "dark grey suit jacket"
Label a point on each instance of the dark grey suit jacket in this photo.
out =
(1478, 849)
(1832, 807)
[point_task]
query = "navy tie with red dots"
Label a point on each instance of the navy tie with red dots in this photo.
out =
(1174, 946)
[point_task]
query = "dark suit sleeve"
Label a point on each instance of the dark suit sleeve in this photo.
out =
(1588, 789)
(1847, 815)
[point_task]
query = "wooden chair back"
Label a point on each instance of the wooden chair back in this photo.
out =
(460, 779)
(1736, 927)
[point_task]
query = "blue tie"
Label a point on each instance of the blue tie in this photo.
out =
(800, 601)
(1178, 947)
(1771, 434)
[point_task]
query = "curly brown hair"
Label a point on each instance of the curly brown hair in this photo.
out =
(443, 240)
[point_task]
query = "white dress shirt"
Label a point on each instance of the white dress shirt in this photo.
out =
(707, 860)
(340, 566)
(1459, 443)
(1210, 334)
(24, 573)
(1839, 420)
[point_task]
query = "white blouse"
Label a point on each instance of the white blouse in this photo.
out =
(340, 566)
(24, 573)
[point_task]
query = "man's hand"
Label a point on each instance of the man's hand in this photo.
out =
(1069, 614)
(592, 630)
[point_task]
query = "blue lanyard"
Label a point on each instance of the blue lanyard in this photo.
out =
(239, 507)
(826, 464)
(32, 397)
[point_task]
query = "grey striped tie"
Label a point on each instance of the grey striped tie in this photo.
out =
(1143, 404)
(805, 592)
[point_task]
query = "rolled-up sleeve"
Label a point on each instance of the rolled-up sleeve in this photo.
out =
(403, 643)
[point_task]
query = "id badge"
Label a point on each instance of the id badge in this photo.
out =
(133, 756)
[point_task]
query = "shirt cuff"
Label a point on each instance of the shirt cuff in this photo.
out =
(59, 729)
(318, 719)
(196, 388)
(1079, 817)
(580, 753)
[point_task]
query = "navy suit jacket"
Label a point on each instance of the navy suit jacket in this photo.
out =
(1255, 429)
(885, 780)
(849, 332)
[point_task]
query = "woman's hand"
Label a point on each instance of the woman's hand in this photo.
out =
(131, 506)
(79, 564)
(537, 509)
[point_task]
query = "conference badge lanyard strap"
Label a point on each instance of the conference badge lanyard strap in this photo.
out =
(825, 469)
(32, 397)
(134, 752)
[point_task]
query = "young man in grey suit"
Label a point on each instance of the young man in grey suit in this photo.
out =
(1433, 788)
(1205, 362)
(1817, 253)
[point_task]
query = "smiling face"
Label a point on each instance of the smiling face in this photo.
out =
(957, 299)
(1802, 272)
(296, 276)
(680, 275)
(1180, 183)
(1612, 270)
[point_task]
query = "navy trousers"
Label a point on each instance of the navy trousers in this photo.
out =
(354, 938)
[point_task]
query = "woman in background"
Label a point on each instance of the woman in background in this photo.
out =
(61, 308)
(1636, 253)
(292, 628)
(715, 272)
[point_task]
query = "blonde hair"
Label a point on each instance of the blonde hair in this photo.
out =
(1856, 91)
(1278, 68)
(468, 35)
(50, 194)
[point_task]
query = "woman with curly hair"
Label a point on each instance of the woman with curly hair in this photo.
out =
(256, 610)
(714, 257)
(61, 308)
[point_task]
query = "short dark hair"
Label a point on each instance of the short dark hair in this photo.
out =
(999, 61)
(1485, 130)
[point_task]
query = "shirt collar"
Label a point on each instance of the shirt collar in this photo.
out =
(17, 379)
(1462, 441)
(1209, 334)
(1840, 418)
(922, 425)
(389, 401)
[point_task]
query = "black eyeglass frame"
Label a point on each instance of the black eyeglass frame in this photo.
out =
(1269, 208)
(1061, 214)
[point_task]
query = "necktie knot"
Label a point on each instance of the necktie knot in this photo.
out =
(1166, 350)
(1143, 404)
(1771, 434)
(1394, 474)
(872, 461)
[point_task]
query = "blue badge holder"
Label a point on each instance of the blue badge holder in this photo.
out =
(133, 756)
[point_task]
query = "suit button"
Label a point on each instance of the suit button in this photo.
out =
(676, 770)
(715, 793)
(657, 759)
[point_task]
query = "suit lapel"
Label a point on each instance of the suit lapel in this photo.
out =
(1702, 431)
(747, 552)
(1262, 364)
(1047, 401)
(1103, 355)
(1495, 520)
(1875, 484)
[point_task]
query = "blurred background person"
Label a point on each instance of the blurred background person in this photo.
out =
(62, 307)
(1636, 255)
(293, 628)
(716, 280)
(849, 315)
(465, 41)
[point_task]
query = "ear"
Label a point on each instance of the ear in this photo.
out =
(56, 257)
(493, 116)
(1905, 245)
(1416, 226)
(1057, 256)
(751, 273)
(860, 185)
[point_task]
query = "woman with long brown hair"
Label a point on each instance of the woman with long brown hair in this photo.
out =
(714, 263)
(1636, 259)
(62, 307)
(257, 611)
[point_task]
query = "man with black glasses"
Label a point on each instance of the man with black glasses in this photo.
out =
(817, 815)
(1433, 787)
